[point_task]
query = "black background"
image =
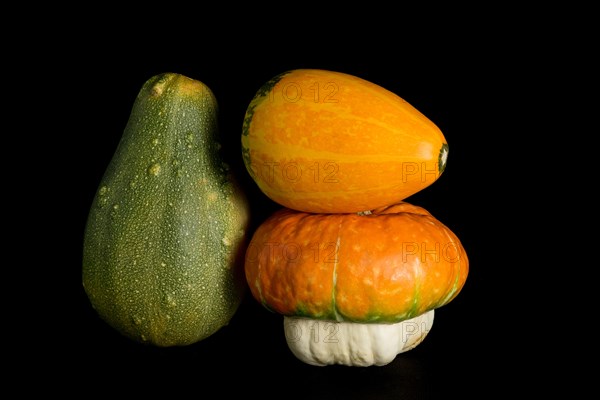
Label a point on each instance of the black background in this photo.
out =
(451, 78)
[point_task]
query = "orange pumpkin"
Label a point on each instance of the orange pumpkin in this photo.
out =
(328, 142)
(392, 264)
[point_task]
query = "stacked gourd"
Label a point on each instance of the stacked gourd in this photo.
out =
(355, 270)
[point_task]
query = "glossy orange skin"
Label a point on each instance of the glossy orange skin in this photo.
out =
(328, 142)
(394, 264)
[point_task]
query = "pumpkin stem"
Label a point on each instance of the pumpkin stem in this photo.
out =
(443, 156)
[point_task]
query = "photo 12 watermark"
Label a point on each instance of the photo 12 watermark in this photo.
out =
(294, 252)
(328, 252)
(295, 172)
(317, 92)
(323, 331)
(328, 172)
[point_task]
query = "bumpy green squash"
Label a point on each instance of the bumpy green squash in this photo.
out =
(166, 233)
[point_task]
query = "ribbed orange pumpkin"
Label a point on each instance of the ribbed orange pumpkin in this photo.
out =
(387, 266)
(328, 142)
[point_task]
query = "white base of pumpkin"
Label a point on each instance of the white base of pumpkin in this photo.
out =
(321, 343)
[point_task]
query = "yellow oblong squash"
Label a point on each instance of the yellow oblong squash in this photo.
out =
(323, 141)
